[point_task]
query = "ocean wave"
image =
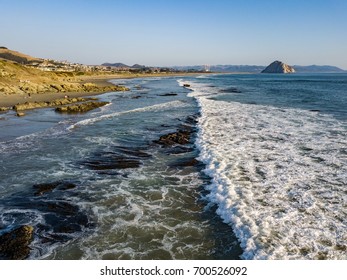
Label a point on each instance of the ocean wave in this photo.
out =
(32, 141)
(278, 177)
(152, 108)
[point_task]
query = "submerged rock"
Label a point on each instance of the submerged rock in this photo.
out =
(112, 163)
(168, 94)
(14, 245)
(41, 189)
(185, 162)
(61, 219)
(176, 150)
(230, 90)
(120, 158)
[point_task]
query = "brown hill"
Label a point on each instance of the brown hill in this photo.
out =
(16, 78)
(18, 57)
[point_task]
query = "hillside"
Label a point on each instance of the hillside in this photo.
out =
(18, 79)
(122, 65)
(15, 56)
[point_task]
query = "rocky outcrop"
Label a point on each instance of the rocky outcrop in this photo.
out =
(20, 114)
(180, 137)
(4, 109)
(14, 245)
(81, 107)
(278, 67)
(28, 87)
(54, 103)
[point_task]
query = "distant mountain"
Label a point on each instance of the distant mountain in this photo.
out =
(236, 68)
(318, 69)
(138, 66)
(118, 65)
(278, 67)
(122, 65)
(258, 68)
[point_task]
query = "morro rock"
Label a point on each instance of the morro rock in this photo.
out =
(278, 67)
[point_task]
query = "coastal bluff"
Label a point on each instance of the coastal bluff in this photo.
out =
(278, 67)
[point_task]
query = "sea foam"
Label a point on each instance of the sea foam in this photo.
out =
(279, 176)
(152, 108)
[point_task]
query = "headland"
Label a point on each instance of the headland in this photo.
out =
(24, 79)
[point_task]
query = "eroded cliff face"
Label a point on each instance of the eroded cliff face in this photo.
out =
(278, 67)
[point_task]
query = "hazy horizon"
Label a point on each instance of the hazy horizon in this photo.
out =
(178, 33)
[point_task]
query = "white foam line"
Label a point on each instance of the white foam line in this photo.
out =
(161, 106)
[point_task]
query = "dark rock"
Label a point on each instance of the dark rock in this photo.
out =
(120, 158)
(181, 137)
(168, 94)
(176, 150)
(120, 163)
(57, 214)
(185, 162)
(136, 97)
(14, 245)
(60, 219)
(230, 90)
(191, 120)
(48, 187)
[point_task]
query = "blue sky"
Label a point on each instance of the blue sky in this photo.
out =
(174, 32)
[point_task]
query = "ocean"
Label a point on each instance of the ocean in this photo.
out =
(263, 175)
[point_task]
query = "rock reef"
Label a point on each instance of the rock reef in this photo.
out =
(81, 107)
(119, 158)
(14, 245)
(181, 137)
(44, 104)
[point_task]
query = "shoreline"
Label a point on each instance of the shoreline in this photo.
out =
(8, 101)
